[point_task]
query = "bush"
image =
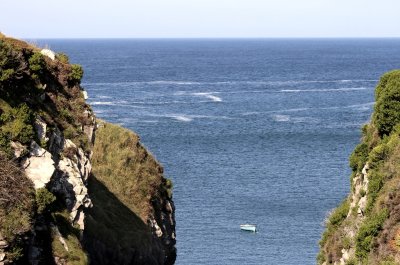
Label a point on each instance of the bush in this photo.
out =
(374, 186)
(387, 107)
(36, 62)
(8, 64)
(76, 73)
(367, 232)
(44, 198)
(62, 57)
(17, 125)
(339, 214)
(378, 155)
(359, 157)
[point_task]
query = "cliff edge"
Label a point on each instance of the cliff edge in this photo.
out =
(70, 193)
(365, 228)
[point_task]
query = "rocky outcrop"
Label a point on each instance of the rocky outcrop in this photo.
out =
(163, 226)
(360, 190)
(39, 165)
(51, 131)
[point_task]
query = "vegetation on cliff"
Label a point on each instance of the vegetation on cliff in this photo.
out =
(126, 182)
(365, 228)
(46, 145)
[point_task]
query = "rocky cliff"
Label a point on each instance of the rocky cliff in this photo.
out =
(56, 206)
(365, 228)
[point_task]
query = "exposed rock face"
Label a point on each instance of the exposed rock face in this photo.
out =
(48, 53)
(39, 166)
(163, 226)
(359, 198)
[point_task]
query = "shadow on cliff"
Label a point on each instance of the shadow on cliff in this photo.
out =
(116, 235)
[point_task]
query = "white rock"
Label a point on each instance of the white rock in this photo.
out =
(77, 190)
(40, 170)
(48, 53)
(345, 254)
(41, 128)
(156, 228)
(3, 244)
(19, 149)
(36, 150)
(85, 94)
(362, 203)
(39, 167)
(2, 256)
(68, 143)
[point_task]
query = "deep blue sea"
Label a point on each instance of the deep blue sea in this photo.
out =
(250, 131)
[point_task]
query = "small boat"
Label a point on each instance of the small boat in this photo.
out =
(249, 227)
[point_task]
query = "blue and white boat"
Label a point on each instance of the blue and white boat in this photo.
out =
(249, 227)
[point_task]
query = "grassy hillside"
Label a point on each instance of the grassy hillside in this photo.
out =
(126, 180)
(366, 226)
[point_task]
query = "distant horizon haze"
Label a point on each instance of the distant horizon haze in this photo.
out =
(45, 19)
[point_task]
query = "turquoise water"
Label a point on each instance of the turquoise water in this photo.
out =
(250, 131)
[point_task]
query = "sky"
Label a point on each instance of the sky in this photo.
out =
(200, 18)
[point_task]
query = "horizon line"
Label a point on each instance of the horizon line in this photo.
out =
(201, 38)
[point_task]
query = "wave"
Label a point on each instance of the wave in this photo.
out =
(281, 118)
(181, 118)
(209, 95)
(107, 103)
(250, 82)
(344, 89)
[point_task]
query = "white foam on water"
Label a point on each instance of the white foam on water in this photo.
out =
(281, 118)
(250, 82)
(181, 118)
(343, 89)
(108, 103)
(209, 95)
(169, 82)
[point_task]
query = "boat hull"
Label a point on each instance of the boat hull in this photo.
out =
(250, 228)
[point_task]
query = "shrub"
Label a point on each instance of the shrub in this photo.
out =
(339, 214)
(374, 186)
(387, 107)
(378, 155)
(169, 187)
(8, 64)
(367, 232)
(44, 198)
(76, 73)
(359, 157)
(17, 125)
(36, 62)
(346, 241)
(62, 57)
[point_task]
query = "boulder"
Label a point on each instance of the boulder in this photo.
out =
(48, 53)
(39, 167)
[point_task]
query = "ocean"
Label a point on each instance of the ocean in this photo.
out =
(249, 130)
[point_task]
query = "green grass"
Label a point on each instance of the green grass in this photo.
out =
(126, 178)
(75, 254)
(126, 168)
(367, 232)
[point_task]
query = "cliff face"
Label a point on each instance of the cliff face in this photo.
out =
(47, 139)
(140, 224)
(365, 228)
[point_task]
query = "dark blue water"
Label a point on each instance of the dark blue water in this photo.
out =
(252, 131)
